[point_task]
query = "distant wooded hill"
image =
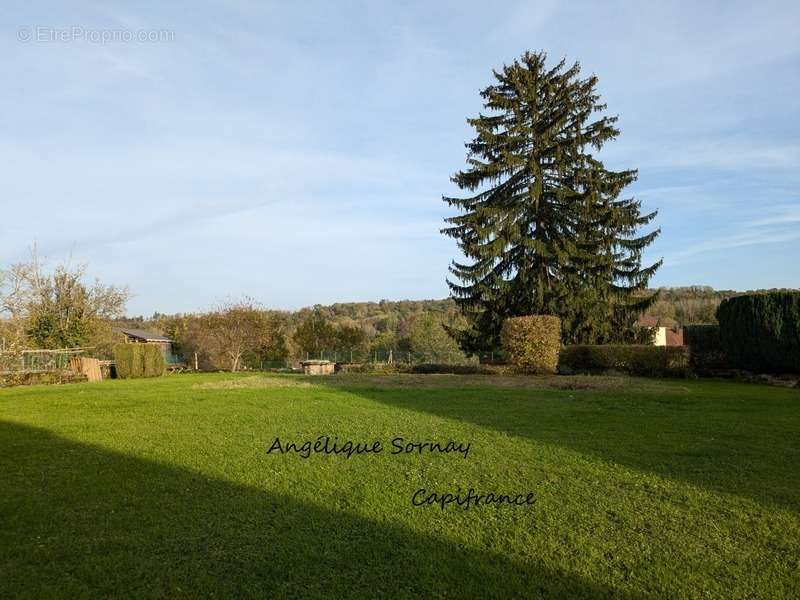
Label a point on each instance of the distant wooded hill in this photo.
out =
(676, 306)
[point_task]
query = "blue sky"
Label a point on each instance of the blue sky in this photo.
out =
(296, 152)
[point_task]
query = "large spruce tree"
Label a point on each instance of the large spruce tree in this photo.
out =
(545, 230)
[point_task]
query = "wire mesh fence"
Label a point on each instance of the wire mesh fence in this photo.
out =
(362, 356)
(37, 361)
(389, 356)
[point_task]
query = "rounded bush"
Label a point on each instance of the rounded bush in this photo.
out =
(532, 342)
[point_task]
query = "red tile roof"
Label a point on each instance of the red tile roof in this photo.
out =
(648, 321)
(675, 337)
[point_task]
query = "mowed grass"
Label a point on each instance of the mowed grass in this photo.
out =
(164, 488)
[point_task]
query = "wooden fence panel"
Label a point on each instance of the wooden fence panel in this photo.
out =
(88, 366)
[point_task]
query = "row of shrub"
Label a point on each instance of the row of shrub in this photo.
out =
(533, 344)
(646, 361)
(139, 360)
(756, 332)
(41, 378)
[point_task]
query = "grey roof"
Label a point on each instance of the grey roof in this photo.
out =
(141, 334)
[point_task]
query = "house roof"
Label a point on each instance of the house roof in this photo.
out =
(648, 321)
(141, 334)
(674, 337)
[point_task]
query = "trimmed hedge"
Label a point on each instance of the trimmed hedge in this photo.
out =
(532, 342)
(139, 360)
(761, 332)
(702, 338)
(705, 346)
(647, 361)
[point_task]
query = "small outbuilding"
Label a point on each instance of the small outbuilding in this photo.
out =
(318, 367)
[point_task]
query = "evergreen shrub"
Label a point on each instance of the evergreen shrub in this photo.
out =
(705, 346)
(761, 332)
(139, 360)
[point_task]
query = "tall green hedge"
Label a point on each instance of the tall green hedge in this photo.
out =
(705, 347)
(532, 342)
(139, 360)
(702, 338)
(761, 332)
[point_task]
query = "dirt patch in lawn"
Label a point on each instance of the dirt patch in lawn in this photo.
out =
(362, 381)
(357, 381)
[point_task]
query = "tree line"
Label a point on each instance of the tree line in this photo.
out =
(59, 308)
(244, 335)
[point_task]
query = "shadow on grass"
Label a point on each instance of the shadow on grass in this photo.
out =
(743, 445)
(79, 520)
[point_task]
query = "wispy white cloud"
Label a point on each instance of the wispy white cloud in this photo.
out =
(738, 240)
(785, 216)
(724, 153)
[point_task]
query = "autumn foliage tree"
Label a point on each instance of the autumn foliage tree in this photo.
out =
(226, 336)
(428, 341)
(314, 336)
(350, 341)
(58, 308)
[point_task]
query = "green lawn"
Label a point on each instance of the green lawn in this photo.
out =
(164, 488)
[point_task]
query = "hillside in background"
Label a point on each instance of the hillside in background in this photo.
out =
(374, 317)
(676, 306)
(680, 306)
